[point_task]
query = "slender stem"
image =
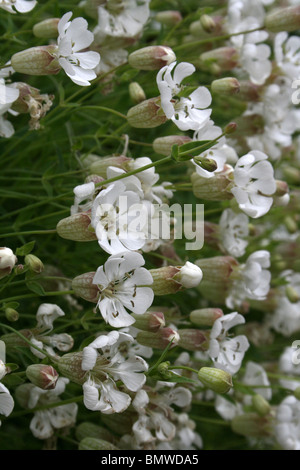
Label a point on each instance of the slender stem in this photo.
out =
(190, 369)
(47, 407)
(47, 294)
(97, 108)
(210, 421)
(31, 232)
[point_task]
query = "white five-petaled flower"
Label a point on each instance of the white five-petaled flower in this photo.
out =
(6, 401)
(123, 18)
(287, 428)
(217, 152)
(234, 231)
(227, 353)
(287, 54)
(118, 282)
(72, 41)
(186, 112)
(20, 6)
(254, 184)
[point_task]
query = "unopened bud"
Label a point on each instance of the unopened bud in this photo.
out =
(230, 128)
(163, 370)
(7, 261)
(136, 92)
(226, 58)
(147, 114)
(91, 443)
(190, 275)
(39, 60)
(11, 314)
(290, 224)
(151, 57)
(216, 379)
(249, 91)
(83, 287)
(208, 164)
(69, 366)
(208, 23)
(251, 425)
(292, 294)
(99, 166)
(34, 263)
(159, 340)
(163, 145)
(205, 316)
(216, 188)
(297, 393)
(168, 17)
(282, 188)
(87, 429)
(260, 404)
(225, 86)
(284, 19)
(292, 174)
(150, 321)
(163, 282)
(76, 227)
(193, 339)
(94, 179)
(42, 375)
(46, 29)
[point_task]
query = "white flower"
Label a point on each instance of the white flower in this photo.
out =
(226, 409)
(287, 54)
(8, 94)
(83, 192)
(234, 231)
(6, 401)
(111, 400)
(186, 112)
(118, 281)
(254, 57)
(47, 314)
(288, 367)
(216, 152)
(256, 375)
(73, 38)
(22, 6)
(124, 18)
(7, 258)
(227, 353)
(287, 429)
(190, 275)
(254, 184)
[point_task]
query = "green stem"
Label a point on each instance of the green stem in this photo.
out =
(47, 407)
(47, 294)
(210, 421)
(98, 108)
(190, 369)
(31, 232)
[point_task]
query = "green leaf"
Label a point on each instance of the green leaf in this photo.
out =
(36, 288)
(12, 380)
(25, 249)
(13, 305)
(193, 149)
(175, 152)
(12, 366)
(181, 379)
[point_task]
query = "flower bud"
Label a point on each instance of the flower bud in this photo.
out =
(69, 366)
(226, 58)
(292, 294)
(284, 19)
(297, 393)
(292, 174)
(249, 91)
(260, 404)
(11, 314)
(91, 7)
(7, 261)
(205, 316)
(193, 340)
(46, 29)
(136, 92)
(216, 379)
(163, 145)
(168, 17)
(42, 375)
(150, 321)
(99, 166)
(282, 188)
(91, 443)
(252, 425)
(290, 224)
(76, 227)
(207, 164)
(216, 188)
(163, 370)
(163, 282)
(36, 61)
(230, 128)
(225, 86)
(151, 57)
(87, 429)
(208, 23)
(190, 275)
(34, 263)
(159, 340)
(83, 287)
(147, 114)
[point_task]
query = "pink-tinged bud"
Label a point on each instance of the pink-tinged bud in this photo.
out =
(42, 375)
(282, 188)
(46, 29)
(34, 263)
(7, 261)
(159, 340)
(84, 287)
(39, 60)
(150, 321)
(230, 128)
(211, 234)
(147, 114)
(151, 57)
(252, 425)
(193, 340)
(216, 379)
(249, 91)
(225, 86)
(216, 188)
(226, 58)
(205, 316)
(168, 17)
(92, 443)
(94, 179)
(284, 19)
(163, 145)
(99, 166)
(76, 227)
(136, 92)
(69, 366)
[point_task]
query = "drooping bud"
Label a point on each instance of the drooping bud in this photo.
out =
(282, 188)
(99, 166)
(226, 58)
(69, 366)
(34, 263)
(150, 321)
(216, 188)
(151, 57)
(168, 17)
(208, 23)
(163, 145)
(216, 379)
(205, 316)
(252, 425)
(7, 261)
(225, 86)
(91, 443)
(39, 60)
(159, 340)
(260, 404)
(42, 375)
(291, 224)
(83, 287)
(87, 429)
(76, 227)
(46, 29)
(136, 92)
(208, 164)
(11, 314)
(292, 294)
(147, 114)
(284, 19)
(193, 339)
